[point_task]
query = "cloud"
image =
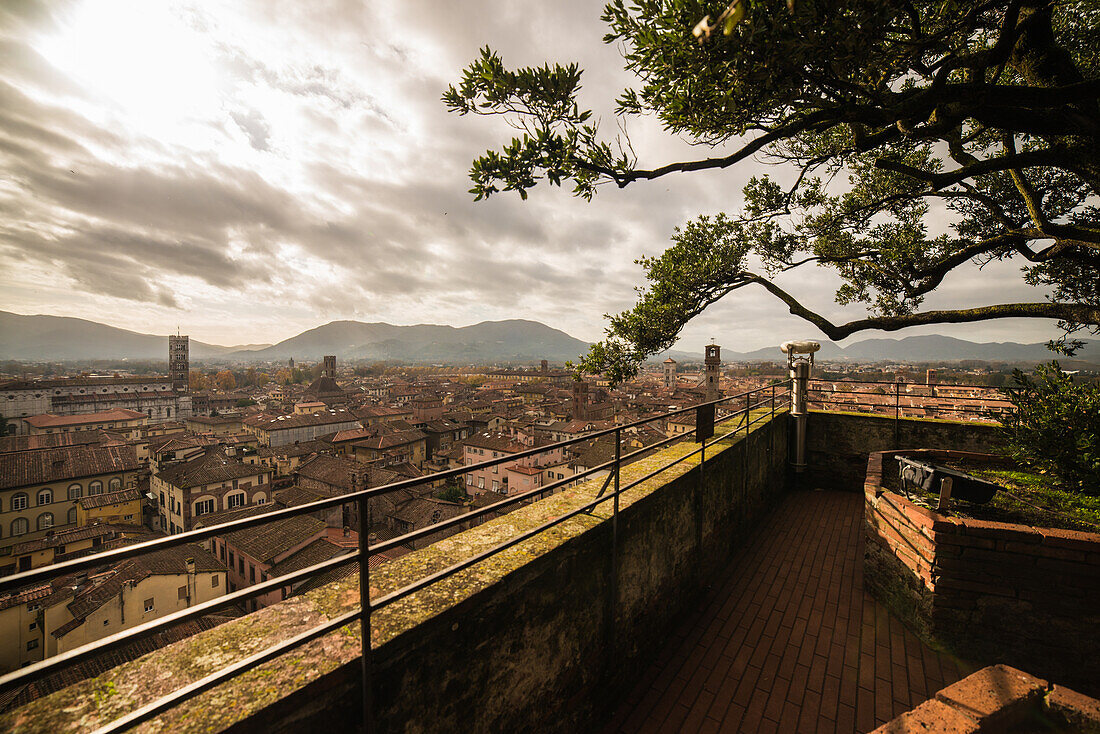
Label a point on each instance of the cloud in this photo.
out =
(253, 125)
(321, 177)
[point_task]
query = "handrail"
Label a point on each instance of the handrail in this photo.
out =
(45, 667)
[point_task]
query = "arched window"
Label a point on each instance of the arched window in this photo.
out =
(115, 484)
(20, 526)
(169, 412)
(72, 516)
(75, 491)
(19, 501)
(45, 496)
(95, 487)
(45, 521)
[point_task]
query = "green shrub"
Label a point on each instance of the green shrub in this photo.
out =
(1056, 426)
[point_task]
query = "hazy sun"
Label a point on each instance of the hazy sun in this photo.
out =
(143, 57)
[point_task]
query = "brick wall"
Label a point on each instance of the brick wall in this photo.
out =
(995, 592)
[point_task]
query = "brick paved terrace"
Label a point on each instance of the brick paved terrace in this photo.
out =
(788, 640)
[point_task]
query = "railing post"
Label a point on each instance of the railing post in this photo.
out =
(897, 413)
(364, 620)
(613, 590)
(773, 401)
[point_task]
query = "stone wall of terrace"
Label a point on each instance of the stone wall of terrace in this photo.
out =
(994, 592)
(837, 444)
(533, 639)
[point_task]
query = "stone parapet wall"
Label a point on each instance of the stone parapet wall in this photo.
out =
(837, 444)
(994, 592)
(534, 638)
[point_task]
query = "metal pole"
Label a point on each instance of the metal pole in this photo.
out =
(364, 620)
(614, 585)
(897, 413)
(800, 376)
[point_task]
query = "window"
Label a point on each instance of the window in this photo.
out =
(221, 552)
(214, 581)
(261, 500)
(234, 500)
(95, 487)
(204, 507)
(481, 482)
(115, 483)
(469, 479)
(75, 490)
(181, 592)
(71, 519)
(240, 566)
(45, 521)
(45, 497)
(148, 605)
(19, 501)
(33, 626)
(251, 574)
(31, 644)
(232, 559)
(162, 499)
(496, 486)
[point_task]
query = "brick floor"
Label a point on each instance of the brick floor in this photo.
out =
(789, 641)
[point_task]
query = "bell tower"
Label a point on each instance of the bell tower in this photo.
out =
(712, 360)
(670, 373)
(179, 364)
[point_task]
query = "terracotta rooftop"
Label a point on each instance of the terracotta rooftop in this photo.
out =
(212, 466)
(49, 420)
(43, 466)
(110, 498)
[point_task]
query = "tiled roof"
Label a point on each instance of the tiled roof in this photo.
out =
(110, 498)
(49, 420)
(43, 466)
(294, 496)
(316, 552)
(213, 466)
(63, 537)
(302, 448)
(267, 541)
(332, 470)
(9, 444)
(281, 422)
(168, 561)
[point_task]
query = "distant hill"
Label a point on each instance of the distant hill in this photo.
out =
(925, 348)
(31, 338)
(39, 337)
(490, 341)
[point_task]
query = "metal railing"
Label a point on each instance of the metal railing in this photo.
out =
(823, 395)
(763, 401)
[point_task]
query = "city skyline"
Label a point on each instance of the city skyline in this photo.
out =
(265, 168)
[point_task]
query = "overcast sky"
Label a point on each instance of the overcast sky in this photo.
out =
(249, 170)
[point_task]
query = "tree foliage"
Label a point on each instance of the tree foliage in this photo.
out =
(1056, 426)
(879, 113)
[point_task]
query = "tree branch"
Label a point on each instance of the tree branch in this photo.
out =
(1070, 312)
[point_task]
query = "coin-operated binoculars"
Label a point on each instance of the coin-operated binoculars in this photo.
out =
(800, 362)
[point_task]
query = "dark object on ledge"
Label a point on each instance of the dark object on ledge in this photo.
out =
(926, 476)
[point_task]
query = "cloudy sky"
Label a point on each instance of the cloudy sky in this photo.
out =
(248, 170)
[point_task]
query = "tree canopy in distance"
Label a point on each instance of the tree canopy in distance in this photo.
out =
(880, 108)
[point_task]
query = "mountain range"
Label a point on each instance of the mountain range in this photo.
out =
(44, 338)
(923, 348)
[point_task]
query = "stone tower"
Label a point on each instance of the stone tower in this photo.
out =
(712, 360)
(544, 366)
(670, 373)
(580, 400)
(179, 364)
(329, 369)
